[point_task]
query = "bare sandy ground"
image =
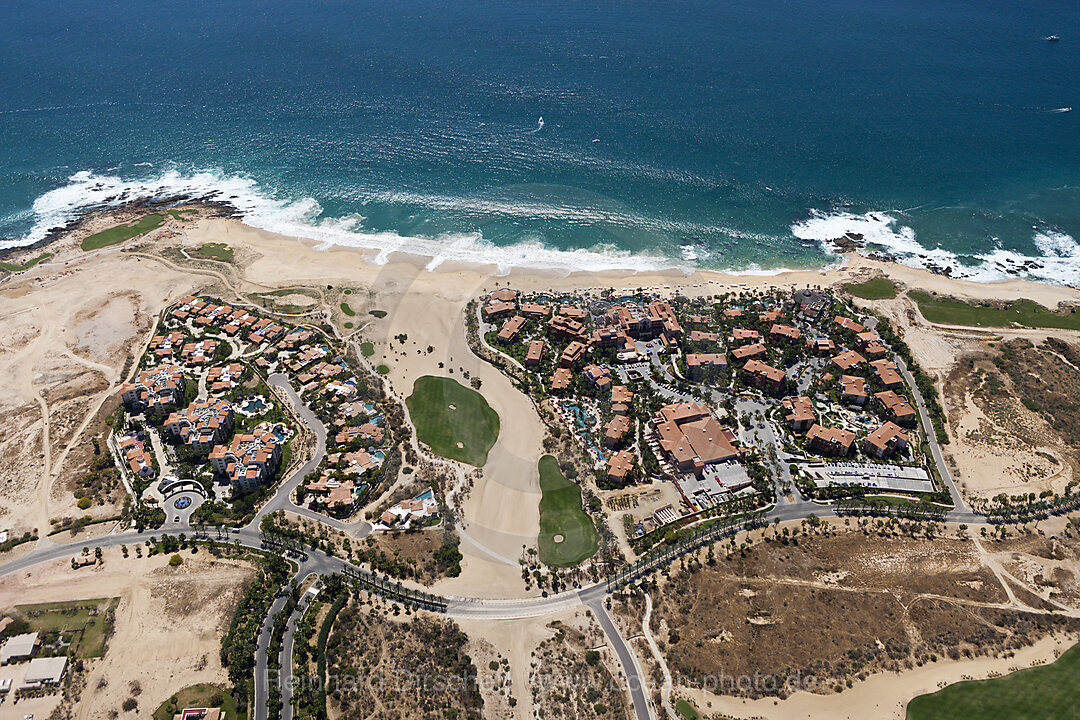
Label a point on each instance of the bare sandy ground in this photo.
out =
(168, 628)
(66, 332)
(515, 640)
(883, 696)
(990, 462)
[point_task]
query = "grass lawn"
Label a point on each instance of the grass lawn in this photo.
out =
(876, 289)
(216, 251)
(561, 514)
(1021, 312)
(84, 619)
(377, 313)
(347, 310)
(454, 421)
(686, 710)
(367, 349)
(198, 696)
(120, 233)
(382, 369)
(179, 214)
(13, 267)
(1048, 692)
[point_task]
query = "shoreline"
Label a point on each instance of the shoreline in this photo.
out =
(464, 250)
(135, 208)
(218, 218)
(852, 267)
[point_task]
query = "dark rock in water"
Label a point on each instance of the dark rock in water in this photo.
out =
(940, 269)
(850, 242)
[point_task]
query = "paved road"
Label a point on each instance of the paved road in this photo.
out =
(463, 607)
(262, 672)
(282, 499)
(634, 677)
(285, 676)
(931, 437)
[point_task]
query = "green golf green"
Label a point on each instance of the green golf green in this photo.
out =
(686, 710)
(567, 534)
(1040, 693)
(215, 251)
(120, 233)
(12, 267)
(453, 420)
(1028, 313)
(876, 289)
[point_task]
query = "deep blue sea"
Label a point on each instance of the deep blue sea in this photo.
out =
(707, 132)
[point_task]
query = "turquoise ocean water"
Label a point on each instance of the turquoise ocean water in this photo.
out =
(714, 133)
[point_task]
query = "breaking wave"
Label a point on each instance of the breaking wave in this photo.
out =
(1058, 260)
(87, 191)
(882, 232)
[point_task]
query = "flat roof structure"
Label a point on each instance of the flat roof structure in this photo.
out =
(18, 646)
(714, 485)
(902, 478)
(45, 671)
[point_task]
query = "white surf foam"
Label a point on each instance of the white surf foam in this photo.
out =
(1059, 262)
(301, 218)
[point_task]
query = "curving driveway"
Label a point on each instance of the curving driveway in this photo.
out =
(282, 499)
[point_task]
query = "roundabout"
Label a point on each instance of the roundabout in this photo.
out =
(179, 506)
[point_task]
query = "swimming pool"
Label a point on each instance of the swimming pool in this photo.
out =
(253, 406)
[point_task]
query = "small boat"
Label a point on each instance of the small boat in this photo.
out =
(1052, 38)
(596, 140)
